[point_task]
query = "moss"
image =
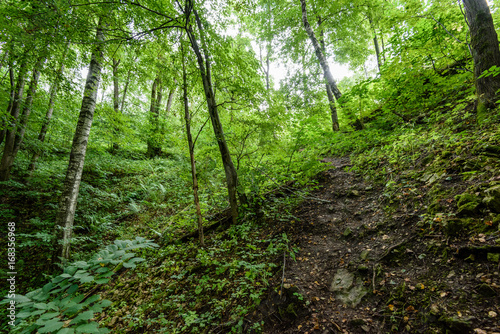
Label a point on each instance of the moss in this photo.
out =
(467, 204)
(482, 112)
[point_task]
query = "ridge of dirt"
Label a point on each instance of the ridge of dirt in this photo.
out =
(410, 282)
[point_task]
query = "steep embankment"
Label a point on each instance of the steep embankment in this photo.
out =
(413, 259)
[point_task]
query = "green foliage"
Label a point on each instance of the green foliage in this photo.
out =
(59, 306)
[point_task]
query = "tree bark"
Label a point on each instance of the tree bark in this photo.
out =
(125, 90)
(154, 148)
(116, 87)
(375, 41)
(187, 118)
(329, 93)
(485, 50)
(12, 95)
(11, 131)
(205, 72)
(324, 65)
(46, 121)
(116, 101)
(169, 101)
(68, 201)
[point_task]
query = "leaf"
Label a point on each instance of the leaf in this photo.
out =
(102, 280)
(51, 326)
(87, 315)
(41, 306)
(66, 331)
(89, 328)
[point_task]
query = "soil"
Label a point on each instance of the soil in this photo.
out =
(365, 266)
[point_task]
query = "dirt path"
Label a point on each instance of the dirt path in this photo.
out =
(360, 270)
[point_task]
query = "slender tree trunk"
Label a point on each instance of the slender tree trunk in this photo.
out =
(23, 120)
(329, 93)
(485, 51)
(154, 148)
(10, 135)
(46, 121)
(12, 95)
(127, 82)
(375, 41)
(116, 101)
(187, 118)
(170, 100)
(205, 72)
(68, 201)
(324, 65)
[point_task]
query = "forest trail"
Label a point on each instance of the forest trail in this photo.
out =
(361, 270)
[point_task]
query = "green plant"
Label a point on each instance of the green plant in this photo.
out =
(59, 306)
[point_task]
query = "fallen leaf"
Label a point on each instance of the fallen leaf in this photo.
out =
(492, 314)
(391, 307)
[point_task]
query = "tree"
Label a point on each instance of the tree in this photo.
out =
(15, 135)
(154, 147)
(324, 65)
(50, 110)
(485, 51)
(205, 72)
(67, 203)
(187, 119)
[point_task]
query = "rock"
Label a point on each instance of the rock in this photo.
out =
(342, 281)
(467, 204)
(492, 198)
(457, 325)
(485, 290)
(347, 232)
(345, 290)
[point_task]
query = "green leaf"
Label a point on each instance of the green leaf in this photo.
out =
(92, 327)
(51, 326)
(66, 331)
(102, 280)
(41, 306)
(87, 315)
(49, 315)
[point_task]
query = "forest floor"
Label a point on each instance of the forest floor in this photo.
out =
(368, 267)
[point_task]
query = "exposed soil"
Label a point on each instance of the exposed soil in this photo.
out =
(410, 280)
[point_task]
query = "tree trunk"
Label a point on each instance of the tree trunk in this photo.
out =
(12, 95)
(23, 121)
(329, 93)
(67, 204)
(125, 90)
(375, 41)
(116, 101)
(187, 118)
(169, 101)
(324, 65)
(46, 121)
(154, 148)
(116, 87)
(10, 135)
(485, 51)
(205, 72)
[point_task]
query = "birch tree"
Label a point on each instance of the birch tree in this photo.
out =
(67, 203)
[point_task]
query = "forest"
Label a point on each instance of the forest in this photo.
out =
(249, 166)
